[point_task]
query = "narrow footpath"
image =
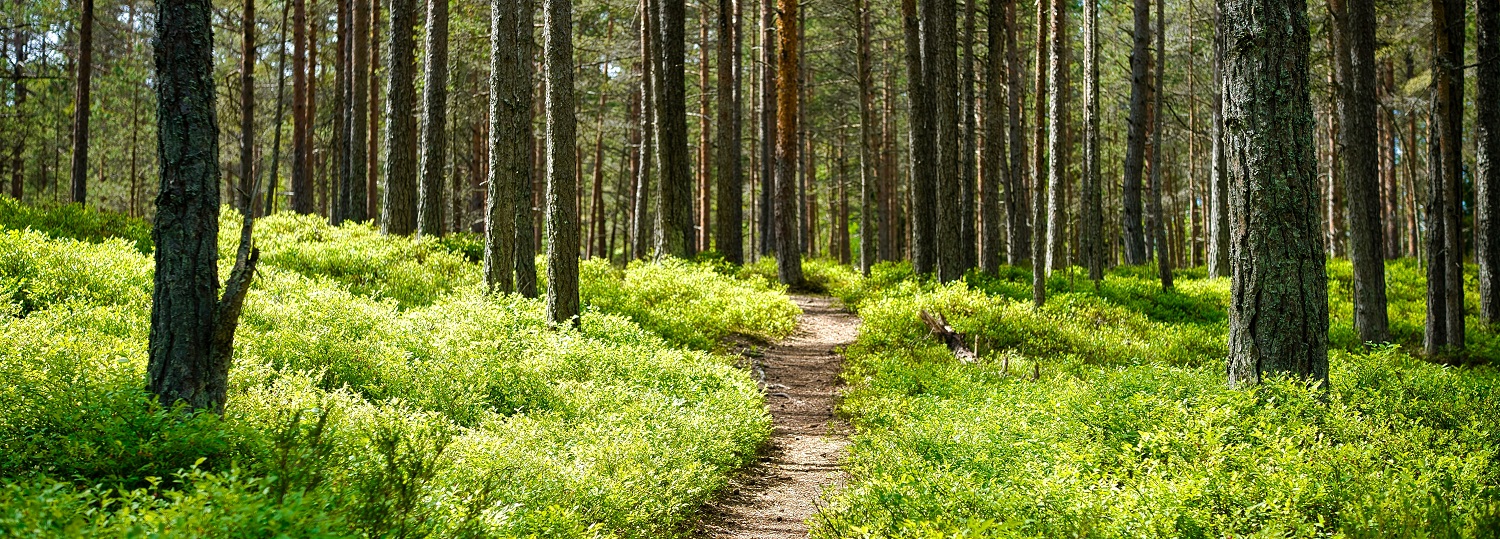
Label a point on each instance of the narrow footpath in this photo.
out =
(775, 497)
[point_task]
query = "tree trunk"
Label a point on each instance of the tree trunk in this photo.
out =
(301, 181)
(939, 32)
(192, 329)
(702, 204)
(1039, 164)
(731, 203)
(1017, 199)
(342, 138)
(1158, 218)
(270, 206)
(788, 252)
(643, 187)
(247, 110)
(768, 136)
(434, 121)
(1278, 311)
(969, 174)
(372, 161)
(1057, 141)
(18, 150)
(359, 102)
(509, 132)
(1487, 153)
(1218, 188)
(398, 208)
(674, 215)
(1093, 205)
(923, 143)
(82, 103)
(562, 181)
(1357, 111)
(1135, 145)
(870, 219)
(995, 170)
(1445, 292)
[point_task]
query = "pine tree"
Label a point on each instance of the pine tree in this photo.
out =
(434, 121)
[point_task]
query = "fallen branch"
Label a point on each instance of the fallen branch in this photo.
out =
(950, 337)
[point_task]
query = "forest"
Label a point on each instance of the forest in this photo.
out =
(749, 268)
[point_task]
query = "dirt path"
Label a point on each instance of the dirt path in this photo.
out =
(774, 499)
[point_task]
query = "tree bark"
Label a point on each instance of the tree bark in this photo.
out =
(643, 225)
(509, 132)
(372, 160)
(246, 188)
(1017, 196)
(1159, 221)
(788, 250)
(729, 230)
(995, 170)
(301, 180)
(702, 203)
(1278, 312)
(1445, 293)
(939, 32)
(562, 181)
(192, 328)
(674, 215)
(1057, 138)
(1093, 206)
(1039, 163)
(398, 208)
(359, 103)
(434, 121)
(1218, 189)
(969, 174)
(1357, 112)
(870, 218)
(768, 137)
(1135, 145)
(339, 211)
(18, 149)
(923, 168)
(82, 102)
(1487, 153)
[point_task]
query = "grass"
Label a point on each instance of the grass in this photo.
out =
(377, 391)
(1106, 414)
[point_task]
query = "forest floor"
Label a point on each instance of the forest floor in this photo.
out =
(776, 496)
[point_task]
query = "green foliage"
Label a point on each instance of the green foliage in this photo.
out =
(75, 221)
(377, 391)
(1106, 414)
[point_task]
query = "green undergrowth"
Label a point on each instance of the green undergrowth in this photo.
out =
(1106, 414)
(377, 391)
(75, 221)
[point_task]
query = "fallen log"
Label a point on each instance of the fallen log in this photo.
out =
(950, 337)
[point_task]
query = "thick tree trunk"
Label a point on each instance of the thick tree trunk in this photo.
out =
(1357, 111)
(674, 215)
(1487, 158)
(1445, 292)
(1093, 205)
(359, 103)
(1039, 163)
(1057, 138)
(434, 121)
(192, 329)
(1017, 196)
(1278, 312)
(788, 251)
(1135, 144)
(1218, 189)
(398, 208)
(1158, 123)
(968, 242)
(870, 221)
(301, 180)
(996, 169)
(729, 230)
(82, 102)
(562, 181)
(923, 167)
(509, 135)
(940, 55)
(244, 194)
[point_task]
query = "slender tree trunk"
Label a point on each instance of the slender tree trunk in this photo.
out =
(1355, 66)
(372, 161)
(1487, 158)
(940, 50)
(305, 197)
(788, 252)
(270, 204)
(1039, 163)
(703, 203)
(1159, 219)
(1093, 206)
(731, 241)
(82, 102)
(674, 215)
(1278, 311)
(1017, 199)
(247, 109)
(1218, 189)
(301, 181)
(398, 208)
(768, 135)
(923, 169)
(643, 224)
(995, 170)
(434, 121)
(562, 181)
(869, 211)
(341, 125)
(1445, 292)
(359, 89)
(1057, 142)
(192, 328)
(1135, 145)
(968, 148)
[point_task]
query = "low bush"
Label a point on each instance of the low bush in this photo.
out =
(75, 221)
